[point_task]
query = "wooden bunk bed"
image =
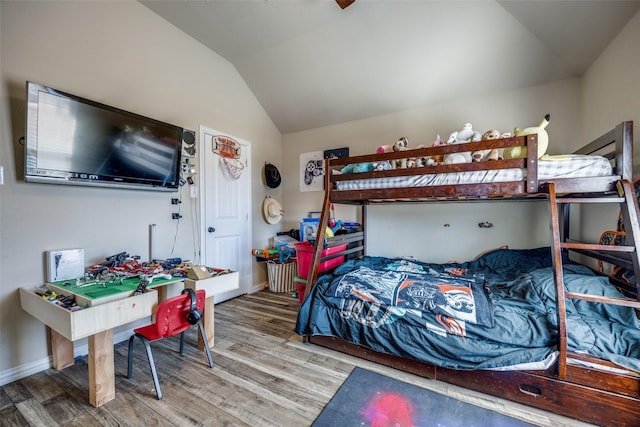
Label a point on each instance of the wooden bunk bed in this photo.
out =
(576, 384)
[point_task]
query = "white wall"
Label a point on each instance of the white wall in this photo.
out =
(412, 230)
(611, 86)
(121, 54)
(611, 94)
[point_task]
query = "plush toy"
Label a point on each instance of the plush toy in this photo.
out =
(457, 158)
(491, 134)
(358, 168)
(491, 154)
(420, 161)
(428, 161)
(401, 144)
(438, 143)
(382, 166)
(399, 163)
(466, 134)
(543, 140)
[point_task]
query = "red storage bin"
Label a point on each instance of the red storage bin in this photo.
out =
(304, 254)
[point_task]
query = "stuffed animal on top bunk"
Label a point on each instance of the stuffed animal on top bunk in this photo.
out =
(466, 134)
(439, 158)
(358, 167)
(382, 166)
(402, 144)
(543, 140)
(490, 154)
(420, 161)
(399, 145)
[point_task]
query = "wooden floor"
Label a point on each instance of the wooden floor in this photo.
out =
(264, 376)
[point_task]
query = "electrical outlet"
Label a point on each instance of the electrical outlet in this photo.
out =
(176, 216)
(185, 167)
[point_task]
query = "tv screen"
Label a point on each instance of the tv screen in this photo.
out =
(72, 140)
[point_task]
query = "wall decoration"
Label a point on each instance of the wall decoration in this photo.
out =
(336, 153)
(228, 149)
(312, 171)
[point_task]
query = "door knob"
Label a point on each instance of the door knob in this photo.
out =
(211, 229)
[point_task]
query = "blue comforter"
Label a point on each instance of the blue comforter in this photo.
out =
(521, 295)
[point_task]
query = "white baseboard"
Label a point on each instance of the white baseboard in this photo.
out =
(10, 375)
(258, 287)
(80, 349)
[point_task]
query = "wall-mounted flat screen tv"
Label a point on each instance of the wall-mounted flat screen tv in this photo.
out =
(73, 140)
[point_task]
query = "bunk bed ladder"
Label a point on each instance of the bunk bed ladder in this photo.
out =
(624, 256)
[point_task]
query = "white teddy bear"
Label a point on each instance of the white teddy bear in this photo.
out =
(466, 134)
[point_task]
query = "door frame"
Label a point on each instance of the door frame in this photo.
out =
(246, 146)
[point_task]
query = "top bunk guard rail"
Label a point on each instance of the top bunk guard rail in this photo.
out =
(333, 167)
(616, 145)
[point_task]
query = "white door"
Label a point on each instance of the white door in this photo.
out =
(225, 184)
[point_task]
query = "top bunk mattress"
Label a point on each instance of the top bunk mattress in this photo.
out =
(549, 167)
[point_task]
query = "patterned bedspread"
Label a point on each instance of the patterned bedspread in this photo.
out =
(407, 285)
(364, 302)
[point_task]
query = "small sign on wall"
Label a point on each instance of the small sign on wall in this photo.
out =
(312, 167)
(312, 171)
(336, 153)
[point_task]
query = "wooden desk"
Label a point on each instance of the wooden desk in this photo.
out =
(96, 323)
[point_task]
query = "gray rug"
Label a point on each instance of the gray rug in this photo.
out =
(370, 399)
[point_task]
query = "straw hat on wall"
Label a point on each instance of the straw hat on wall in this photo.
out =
(272, 210)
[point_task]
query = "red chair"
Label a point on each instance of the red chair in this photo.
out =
(174, 316)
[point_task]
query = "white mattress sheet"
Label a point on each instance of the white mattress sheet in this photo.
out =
(549, 167)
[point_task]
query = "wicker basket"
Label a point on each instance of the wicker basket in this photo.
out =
(281, 276)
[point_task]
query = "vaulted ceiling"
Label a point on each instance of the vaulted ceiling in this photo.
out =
(312, 64)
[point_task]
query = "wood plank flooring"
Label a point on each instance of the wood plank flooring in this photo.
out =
(264, 376)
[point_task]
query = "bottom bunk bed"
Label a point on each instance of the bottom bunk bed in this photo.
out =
(529, 325)
(488, 325)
